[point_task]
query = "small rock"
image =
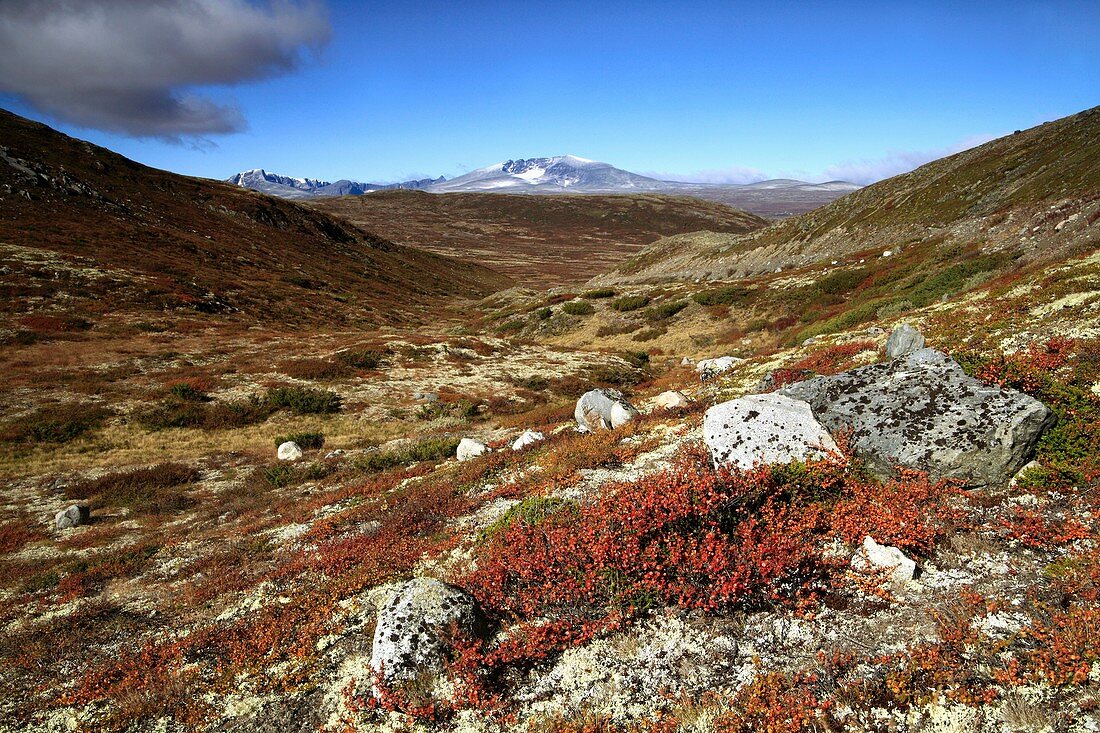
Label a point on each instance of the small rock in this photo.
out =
(810, 341)
(708, 368)
(872, 555)
(335, 453)
(904, 340)
(469, 448)
(290, 451)
(603, 409)
(414, 629)
(529, 438)
(767, 428)
(73, 516)
(888, 253)
(686, 361)
(671, 400)
(875, 331)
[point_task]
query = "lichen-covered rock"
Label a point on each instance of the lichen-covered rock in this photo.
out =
(670, 400)
(903, 340)
(603, 409)
(708, 368)
(529, 438)
(290, 451)
(873, 556)
(767, 428)
(414, 629)
(469, 448)
(72, 516)
(924, 412)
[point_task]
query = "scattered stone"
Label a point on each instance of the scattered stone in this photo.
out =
(529, 438)
(73, 516)
(875, 331)
(469, 448)
(708, 368)
(671, 400)
(873, 556)
(686, 361)
(603, 409)
(413, 632)
(334, 453)
(290, 451)
(810, 341)
(429, 397)
(924, 412)
(767, 428)
(904, 340)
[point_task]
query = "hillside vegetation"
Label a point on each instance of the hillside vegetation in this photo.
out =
(80, 224)
(538, 241)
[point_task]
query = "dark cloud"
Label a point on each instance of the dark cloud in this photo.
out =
(132, 66)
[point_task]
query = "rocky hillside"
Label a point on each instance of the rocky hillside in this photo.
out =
(1034, 192)
(82, 228)
(538, 241)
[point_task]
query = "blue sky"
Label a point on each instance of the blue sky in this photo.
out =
(702, 91)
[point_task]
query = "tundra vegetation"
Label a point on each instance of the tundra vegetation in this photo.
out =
(623, 582)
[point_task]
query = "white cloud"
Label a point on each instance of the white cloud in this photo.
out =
(866, 171)
(732, 174)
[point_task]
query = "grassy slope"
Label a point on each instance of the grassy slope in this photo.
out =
(971, 197)
(538, 240)
(154, 240)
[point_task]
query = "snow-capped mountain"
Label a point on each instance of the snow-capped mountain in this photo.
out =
(570, 174)
(562, 173)
(288, 187)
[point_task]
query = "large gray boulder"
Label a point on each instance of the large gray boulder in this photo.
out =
(603, 409)
(414, 629)
(922, 411)
(765, 428)
(72, 516)
(903, 340)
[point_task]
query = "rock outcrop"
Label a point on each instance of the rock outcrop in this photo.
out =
(529, 438)
(414, 629)
(924, 412)
(72, 516)
(290, 451)
(670, 400)
(873, 556)
(603, 409)
(708, 368)
(903, 340)
(767, 428)
(469, 448)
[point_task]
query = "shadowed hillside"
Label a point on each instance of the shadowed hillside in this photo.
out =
(80, 223)
(537, 240)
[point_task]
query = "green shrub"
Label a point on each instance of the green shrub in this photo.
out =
(630, 303)
(54, 424)
(598, 293)
(511, 326)
(665, 310)
(841, 281)
(305, 441)
(731, 295)
(429, 449)
(176, 413)
(531, 511)
(578, 308)
(637, 359)
(304, 400)
(362, 358)
(543, 314)
(153, 490)
(185, 392)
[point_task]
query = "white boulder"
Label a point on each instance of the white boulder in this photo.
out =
(764, 428)
(469, 448)
(603, 409)
(873, 556)
(707, 368)
(670, 400)
(904, 340)
(529, 438)
(290, 451)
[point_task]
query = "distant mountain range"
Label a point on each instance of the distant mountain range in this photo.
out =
(288, 187)
(570, 174)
